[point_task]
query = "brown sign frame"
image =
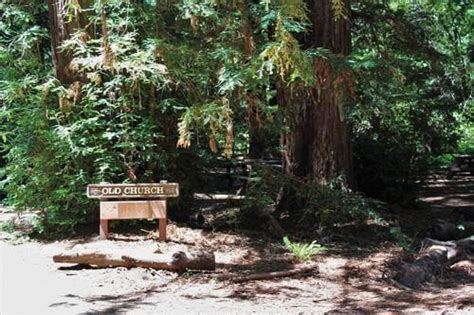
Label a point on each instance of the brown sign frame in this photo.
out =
(133, 191)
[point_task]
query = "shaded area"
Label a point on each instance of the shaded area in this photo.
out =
(354, 275)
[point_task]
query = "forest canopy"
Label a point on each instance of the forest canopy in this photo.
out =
(355, 98)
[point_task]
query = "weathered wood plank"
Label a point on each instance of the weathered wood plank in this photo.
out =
(139, 209)
(178, 261)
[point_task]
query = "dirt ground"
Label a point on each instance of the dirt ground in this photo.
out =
(350, 278)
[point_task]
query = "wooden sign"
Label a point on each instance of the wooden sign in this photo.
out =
(146, 208)
(124, 191)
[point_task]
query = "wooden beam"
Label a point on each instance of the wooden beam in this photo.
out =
(204, 196)
(104, 229)
(162, 229)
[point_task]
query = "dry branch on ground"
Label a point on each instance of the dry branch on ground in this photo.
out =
(312, 269)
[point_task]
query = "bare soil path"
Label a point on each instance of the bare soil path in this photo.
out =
(445, 195)
(349, 278)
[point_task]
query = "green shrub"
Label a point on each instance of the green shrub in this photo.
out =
(105, 128)
(309, 205)
(466, 144)
(401, 239)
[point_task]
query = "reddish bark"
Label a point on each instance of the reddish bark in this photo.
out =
(317, 147)
(62, 25)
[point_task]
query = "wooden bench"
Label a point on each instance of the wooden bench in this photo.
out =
(133, 201)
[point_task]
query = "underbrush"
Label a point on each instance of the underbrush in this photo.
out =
(305, 204)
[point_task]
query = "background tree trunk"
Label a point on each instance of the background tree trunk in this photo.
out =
(256, 134)
(62, 24)
(317, 146)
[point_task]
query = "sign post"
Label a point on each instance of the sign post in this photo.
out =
(133, 201)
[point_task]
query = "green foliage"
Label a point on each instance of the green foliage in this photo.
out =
(167, 87)
(466, 143)
(401, 239)
(284, 54)
(412, 67)
(7, 226)
(107, 127)
(441, 161)
(303, 251)
(322, 208)
(339, 9)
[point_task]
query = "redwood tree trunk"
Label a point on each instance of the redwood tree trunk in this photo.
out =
(317, 146)
(62, 24)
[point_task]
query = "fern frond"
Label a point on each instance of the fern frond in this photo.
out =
(339, 9)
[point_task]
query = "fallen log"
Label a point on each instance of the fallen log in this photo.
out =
(445, 231)
(272, 275)
(178, 261)
(433, 258)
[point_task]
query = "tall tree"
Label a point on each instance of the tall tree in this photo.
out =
(256, 137)
(317, 145)
(65, 18)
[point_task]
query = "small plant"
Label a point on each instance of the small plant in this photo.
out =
(7, 226)
(401, 239)
(303, 251)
